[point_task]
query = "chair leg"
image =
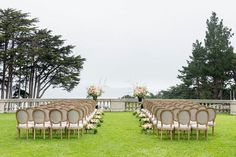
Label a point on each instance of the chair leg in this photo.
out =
(197, 134)
(178, 135)
(18, 133)
(188, 135)
(154, 129)
(161, 134)
(68, 133)
(171, 135)
(81, 132)
(61, 133)
(27, 133)
(43, 133)
(206, 134)
(78, 133)
(213, 130)
(50, 133)
(34, 134)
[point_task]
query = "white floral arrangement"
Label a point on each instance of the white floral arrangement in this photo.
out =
(97, 117)
(147, 126)
(145, 120)
(99, 112)
(94, 121)
(138, 111)
(142, 115)
(90, 126)
(140, 91)
(94, 91)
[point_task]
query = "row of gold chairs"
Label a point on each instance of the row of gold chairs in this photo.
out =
(179, 115)
(59, 115)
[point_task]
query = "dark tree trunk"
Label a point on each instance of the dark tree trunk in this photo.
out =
(3, 79)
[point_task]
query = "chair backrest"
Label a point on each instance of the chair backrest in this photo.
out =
(64, 114)
(30, 112)
(39, 116)
(202, 117)
(46, 110)
(158, 113)
(193, 112)
(201, 107)
(73, 116)
(187, 107)
(81, 113)
(55, 116)
(184, 117)
(212, 114)
(175, 111)
(167, 117)
(22, 116)
(154, 110)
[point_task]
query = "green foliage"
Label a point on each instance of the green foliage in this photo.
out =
(210, 72)
(119, 136)
(34, 59)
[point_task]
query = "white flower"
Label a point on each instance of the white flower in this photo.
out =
(94, 121)
(90, 126)
(141, 115)
(145, 119)
(97, 117)
(147, 126)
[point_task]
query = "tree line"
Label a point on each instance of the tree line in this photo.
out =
(211, 69)
(32, 60)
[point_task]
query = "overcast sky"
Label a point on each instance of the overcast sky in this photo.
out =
(127, 42)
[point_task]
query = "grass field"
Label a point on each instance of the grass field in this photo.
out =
(119, 136)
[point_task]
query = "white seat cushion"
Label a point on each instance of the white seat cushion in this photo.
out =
(57, 126)
(199, 127)
(31, 122)
(40, 126)
(84, 123)
(74, 126)
(211, 123)
(165, 127)
(24, 126)
(183, 127)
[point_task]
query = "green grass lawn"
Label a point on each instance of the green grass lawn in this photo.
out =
(119, 136)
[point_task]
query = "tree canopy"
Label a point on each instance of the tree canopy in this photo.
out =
(33, 59)
(210, 71)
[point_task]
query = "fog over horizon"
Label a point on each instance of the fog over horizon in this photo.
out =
(127, 42)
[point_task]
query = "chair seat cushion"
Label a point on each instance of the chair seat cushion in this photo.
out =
(24, 126)
(199, 127)
(211, 123)
(84, 123)
(165, 127)
(40, 126)
(74, 126)
(183, 127)
(57, 126)
(31, 122)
